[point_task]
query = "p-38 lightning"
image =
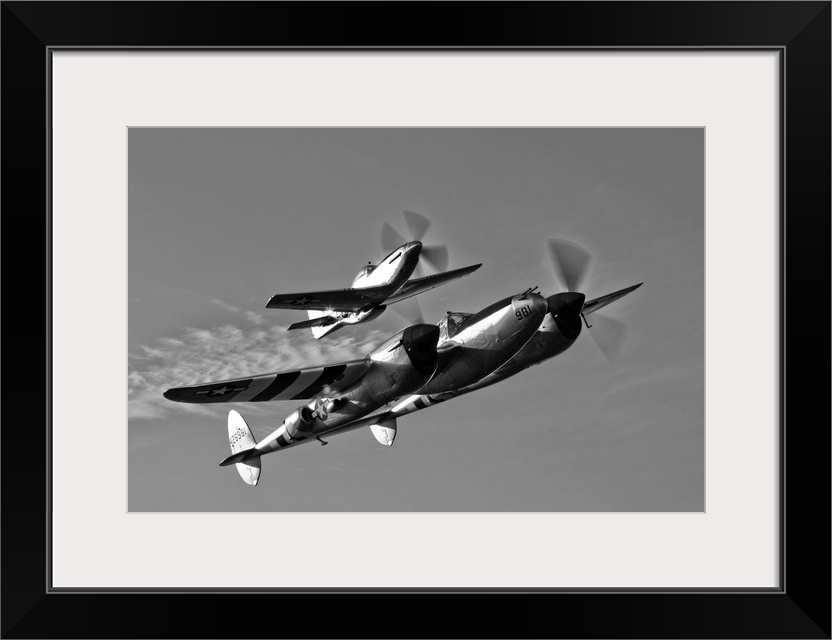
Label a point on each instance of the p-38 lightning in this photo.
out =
(417, 367)
(375, 286)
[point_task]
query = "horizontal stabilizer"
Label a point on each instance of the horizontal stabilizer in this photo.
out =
(322, 321)
(592, 306)
(234, 458)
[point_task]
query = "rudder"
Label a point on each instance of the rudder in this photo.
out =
(240, 438)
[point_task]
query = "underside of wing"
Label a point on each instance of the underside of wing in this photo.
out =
(300, 384)
(598, 303)
(336, 300)
(419, 285)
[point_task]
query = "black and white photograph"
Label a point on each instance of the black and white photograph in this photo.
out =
(426, 319)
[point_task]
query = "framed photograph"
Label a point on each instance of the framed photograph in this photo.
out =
(346, 180)
(203, 173)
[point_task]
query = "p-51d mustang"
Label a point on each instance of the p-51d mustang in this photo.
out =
(375, 286)
(417, 367)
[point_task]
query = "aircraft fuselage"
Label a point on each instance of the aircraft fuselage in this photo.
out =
(393, 271)
(487, 340)
(411, 362)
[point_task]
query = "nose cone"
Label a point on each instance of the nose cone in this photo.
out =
(419, 342)
(566, 304)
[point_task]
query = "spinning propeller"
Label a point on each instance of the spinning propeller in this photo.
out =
(410, 310)
(570, 263)
(436, 255)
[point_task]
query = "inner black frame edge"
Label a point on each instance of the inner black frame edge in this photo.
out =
(799, 29)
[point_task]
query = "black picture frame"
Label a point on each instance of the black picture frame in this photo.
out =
(800, 608)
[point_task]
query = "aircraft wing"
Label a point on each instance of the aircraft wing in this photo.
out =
(300, 384)
(336, 300)
(414, 287)
(598, 303)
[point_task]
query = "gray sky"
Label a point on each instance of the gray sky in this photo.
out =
(221, 219)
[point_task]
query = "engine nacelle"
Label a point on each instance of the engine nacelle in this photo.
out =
(401, 365)
(300, 422)
(311, 418)
(565, 309)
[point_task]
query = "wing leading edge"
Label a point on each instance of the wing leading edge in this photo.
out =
(593, 305)
(419, 285)
(353, 300)
(300, 384)
(336, 300)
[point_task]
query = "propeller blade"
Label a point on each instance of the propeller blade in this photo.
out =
(570, 262)
(608, 334)
(410, 310)
(417, 223)
(390, 238)
(436, 255)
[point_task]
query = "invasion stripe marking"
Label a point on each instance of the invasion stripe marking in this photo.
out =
(257, 385)
(303, 381)
(327, 377)
(280, 383)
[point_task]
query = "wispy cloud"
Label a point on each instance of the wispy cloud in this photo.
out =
(244, 348)
(224, 305)
(255, 318)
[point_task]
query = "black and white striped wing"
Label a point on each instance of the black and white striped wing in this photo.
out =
(300, 384)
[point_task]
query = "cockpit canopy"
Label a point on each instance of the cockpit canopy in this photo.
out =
(450, 325)
(364, 272)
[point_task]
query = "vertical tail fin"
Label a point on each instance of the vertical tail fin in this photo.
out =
(317, 332)
(240, 438)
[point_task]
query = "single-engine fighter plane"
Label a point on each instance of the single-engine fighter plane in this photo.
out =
(375, 286)
(417, 367)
